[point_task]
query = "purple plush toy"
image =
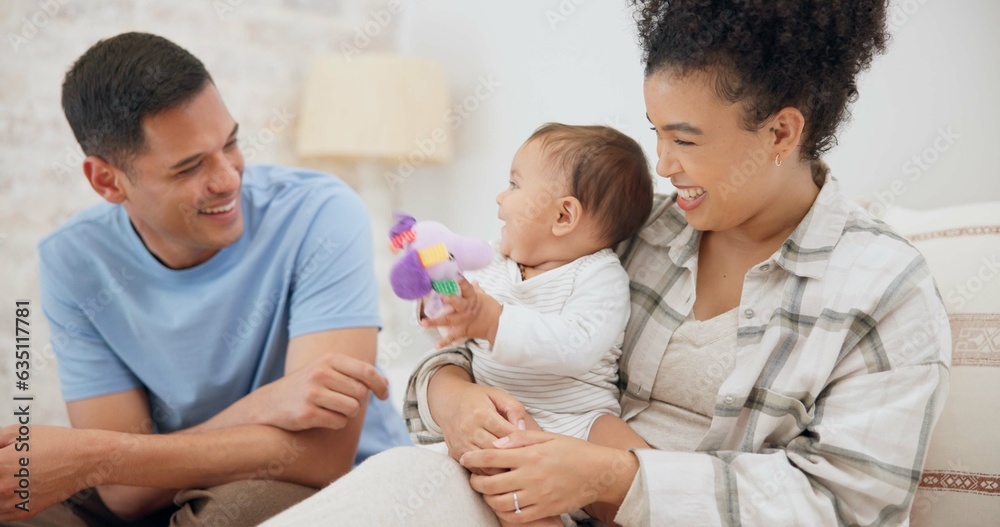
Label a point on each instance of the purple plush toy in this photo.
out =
(433, 260)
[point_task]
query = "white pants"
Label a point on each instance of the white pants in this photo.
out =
(403, 486)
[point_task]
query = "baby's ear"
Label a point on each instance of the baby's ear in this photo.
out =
(570, 216)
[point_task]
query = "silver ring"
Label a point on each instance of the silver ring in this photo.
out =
(517, 507)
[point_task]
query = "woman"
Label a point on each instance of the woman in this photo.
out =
(786, 356)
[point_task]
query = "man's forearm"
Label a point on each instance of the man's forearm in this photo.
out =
(132, 502)
(220, 456)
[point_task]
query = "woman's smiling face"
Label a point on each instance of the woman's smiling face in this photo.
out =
(725, 174)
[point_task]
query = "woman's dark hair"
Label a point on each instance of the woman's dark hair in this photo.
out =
(770, 54)
(120, 80)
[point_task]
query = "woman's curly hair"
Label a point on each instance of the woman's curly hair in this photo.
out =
(769, 54)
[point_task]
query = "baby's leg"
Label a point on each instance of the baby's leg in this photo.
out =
(612, 431)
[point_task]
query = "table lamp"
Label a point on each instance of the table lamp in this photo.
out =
(382, 115)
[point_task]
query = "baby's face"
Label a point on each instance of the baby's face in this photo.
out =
(529, 207)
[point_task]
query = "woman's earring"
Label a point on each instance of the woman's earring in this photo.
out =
(777, 162)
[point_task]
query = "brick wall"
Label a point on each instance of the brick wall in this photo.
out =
(258, 52)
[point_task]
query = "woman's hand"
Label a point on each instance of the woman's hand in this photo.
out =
(551, 474)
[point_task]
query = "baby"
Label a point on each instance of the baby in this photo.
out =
(547, 317)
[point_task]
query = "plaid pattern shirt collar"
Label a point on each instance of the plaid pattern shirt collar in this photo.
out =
(805, 254)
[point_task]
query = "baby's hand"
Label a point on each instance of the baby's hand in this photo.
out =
(476, 315)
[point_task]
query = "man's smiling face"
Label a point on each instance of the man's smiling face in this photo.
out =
(182, 192)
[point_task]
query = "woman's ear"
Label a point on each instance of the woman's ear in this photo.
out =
(786, 129)
(570, 215)
(104, 179)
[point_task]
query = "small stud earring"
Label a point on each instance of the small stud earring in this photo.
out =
(777, 162)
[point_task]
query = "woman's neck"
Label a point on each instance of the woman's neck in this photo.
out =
(775, 222)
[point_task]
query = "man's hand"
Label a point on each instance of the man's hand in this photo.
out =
(321, 394)
(60, 465)
(476, 316)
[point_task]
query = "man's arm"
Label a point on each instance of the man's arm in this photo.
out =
(323, 396)
(128, 412)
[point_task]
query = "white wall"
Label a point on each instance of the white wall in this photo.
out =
(584, 69)
(939, 73)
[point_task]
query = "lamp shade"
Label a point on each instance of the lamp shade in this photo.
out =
(376, 107)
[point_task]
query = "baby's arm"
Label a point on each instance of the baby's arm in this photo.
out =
(574, 341)
(473, 314)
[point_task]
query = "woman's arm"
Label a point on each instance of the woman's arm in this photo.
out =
(858, 461)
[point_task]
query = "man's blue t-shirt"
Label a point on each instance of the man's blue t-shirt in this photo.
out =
(201, 338)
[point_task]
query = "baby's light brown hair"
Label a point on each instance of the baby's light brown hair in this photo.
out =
(608, 173)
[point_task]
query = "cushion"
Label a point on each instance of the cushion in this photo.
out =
(960, 484)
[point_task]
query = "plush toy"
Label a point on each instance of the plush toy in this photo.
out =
(432, 262)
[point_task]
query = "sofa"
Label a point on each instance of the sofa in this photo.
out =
(960, 484)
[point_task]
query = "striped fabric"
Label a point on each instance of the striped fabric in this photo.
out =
(841, 372)
(558, 340)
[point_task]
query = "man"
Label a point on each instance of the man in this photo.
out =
(216, 323)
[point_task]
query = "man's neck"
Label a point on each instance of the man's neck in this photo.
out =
(175, 260)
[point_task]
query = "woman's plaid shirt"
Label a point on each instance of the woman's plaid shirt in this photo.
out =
(841, 372)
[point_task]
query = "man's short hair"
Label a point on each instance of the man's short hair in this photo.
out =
(120, 80)
(608, 173)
